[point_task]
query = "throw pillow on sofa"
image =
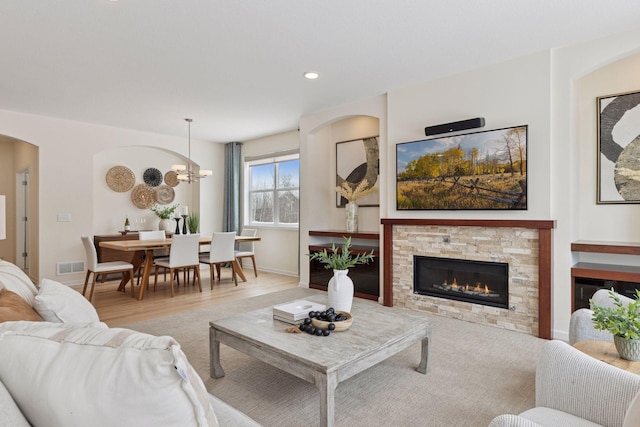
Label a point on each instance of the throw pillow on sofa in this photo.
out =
(15, 280)
(13, 307)
(58, 303)
(61, 375)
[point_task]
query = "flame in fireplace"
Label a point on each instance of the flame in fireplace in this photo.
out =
(478, 289)
(472, 281)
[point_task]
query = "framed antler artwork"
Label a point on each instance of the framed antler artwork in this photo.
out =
(356, 161)
(619, 148)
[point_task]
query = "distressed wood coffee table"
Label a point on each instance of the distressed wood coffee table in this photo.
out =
(376, 334)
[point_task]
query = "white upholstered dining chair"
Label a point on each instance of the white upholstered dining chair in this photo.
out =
(183, 255)
(222, 252)
(158, 253)
(246, 249)
(152, 235)
(101, 268)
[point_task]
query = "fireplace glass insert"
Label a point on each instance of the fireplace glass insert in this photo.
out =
(477, 282)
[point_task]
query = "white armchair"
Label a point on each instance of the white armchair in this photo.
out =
(574, 389)
(581, 326)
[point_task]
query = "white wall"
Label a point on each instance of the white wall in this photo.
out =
(602, 222)
(575, 209)
(349, 129)
(277, 251)
(507, 94)
(66, 180)
(318, 134)
(541, 90)
(111, 207)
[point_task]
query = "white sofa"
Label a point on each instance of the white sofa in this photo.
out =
(576, 390)
(61, 366)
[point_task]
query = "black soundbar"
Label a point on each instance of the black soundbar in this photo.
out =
(478, 122)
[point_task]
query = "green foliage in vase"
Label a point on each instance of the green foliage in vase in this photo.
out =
(622, 321)
(341, 258)
(193, 222)
(164, 212)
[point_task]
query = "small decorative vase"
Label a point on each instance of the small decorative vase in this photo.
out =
(352, 217)
(165, 225)
(340, 291)
(627, 349)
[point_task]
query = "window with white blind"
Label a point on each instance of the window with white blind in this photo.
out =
(272, 186)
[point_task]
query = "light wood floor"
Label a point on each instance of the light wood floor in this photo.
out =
(119, 308)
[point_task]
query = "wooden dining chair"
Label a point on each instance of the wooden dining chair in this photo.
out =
(183, 255)
(101, 268)
(246, 249)
(222, 251)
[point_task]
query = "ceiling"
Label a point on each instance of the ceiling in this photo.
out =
(236, 66)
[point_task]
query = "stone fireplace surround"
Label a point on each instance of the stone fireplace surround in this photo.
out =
(524, 244)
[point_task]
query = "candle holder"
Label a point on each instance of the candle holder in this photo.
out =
(184, 224)
(177, 225)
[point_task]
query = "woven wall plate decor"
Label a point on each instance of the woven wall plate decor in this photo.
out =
(120, 179)
(165, 194)
(152, 177)
(143, 196)
(171, 179)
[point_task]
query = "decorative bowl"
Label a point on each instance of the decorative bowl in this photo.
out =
(340, 326)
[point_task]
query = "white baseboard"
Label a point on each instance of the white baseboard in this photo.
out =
(273, 270)
(560, 335)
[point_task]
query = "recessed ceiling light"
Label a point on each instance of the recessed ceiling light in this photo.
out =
(311, 75)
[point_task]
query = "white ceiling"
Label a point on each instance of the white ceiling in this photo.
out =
(235, 66)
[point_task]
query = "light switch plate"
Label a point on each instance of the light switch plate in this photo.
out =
(64, 217)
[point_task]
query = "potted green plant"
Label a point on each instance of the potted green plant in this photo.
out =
(623, 321)
(340, 287)
(165, 214)
(193, 222)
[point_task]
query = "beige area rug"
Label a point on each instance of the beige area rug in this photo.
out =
(476, 373)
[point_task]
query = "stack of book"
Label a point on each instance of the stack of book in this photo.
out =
(296, 311)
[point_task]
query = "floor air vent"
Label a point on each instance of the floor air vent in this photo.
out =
(70, 267)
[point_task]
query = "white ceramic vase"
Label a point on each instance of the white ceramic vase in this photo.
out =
(165, 225)
(340, 291)
(352, 217)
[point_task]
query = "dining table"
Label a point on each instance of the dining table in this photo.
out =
(149, 246)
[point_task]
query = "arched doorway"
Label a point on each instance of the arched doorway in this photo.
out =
(19, 183)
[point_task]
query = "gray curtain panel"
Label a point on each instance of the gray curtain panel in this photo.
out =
(232, 171)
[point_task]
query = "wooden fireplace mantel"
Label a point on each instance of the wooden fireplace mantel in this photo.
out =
(544, 228)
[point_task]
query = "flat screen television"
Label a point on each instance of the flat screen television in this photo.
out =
(484, 170)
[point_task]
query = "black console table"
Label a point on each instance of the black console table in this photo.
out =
(365, 277)
(587, 278)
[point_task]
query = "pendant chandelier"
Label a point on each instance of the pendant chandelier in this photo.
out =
(186, 173)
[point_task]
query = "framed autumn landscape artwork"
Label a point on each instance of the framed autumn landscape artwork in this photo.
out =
(484, 170)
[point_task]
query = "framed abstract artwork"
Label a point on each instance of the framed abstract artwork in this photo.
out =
(356, 161)
(484, 170)
(618, 148)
